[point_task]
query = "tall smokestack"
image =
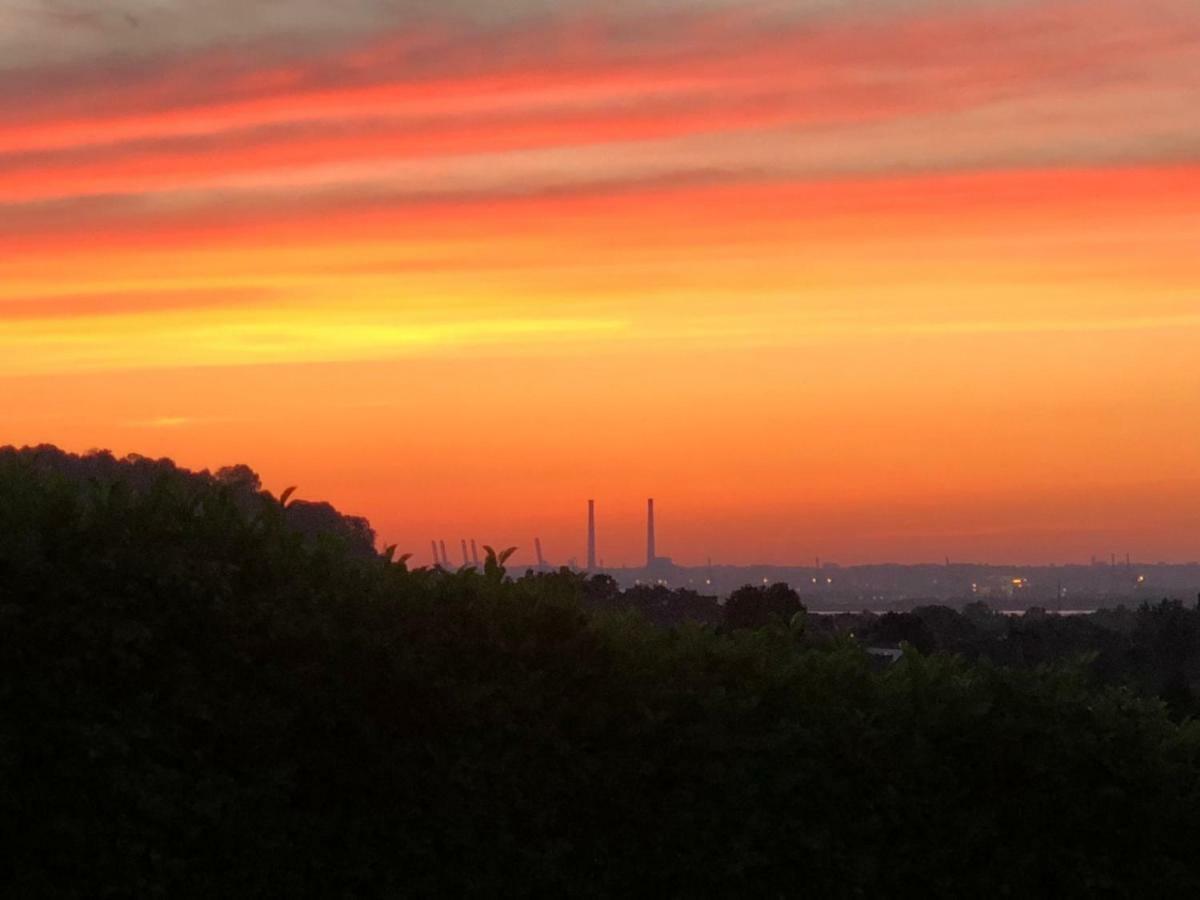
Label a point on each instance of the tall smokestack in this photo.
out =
(445, 558)
(591, 547)
(650, 553)
(436, 561)
(466, 559)
(537, 548)
(474, 553)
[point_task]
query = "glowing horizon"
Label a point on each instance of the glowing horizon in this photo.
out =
(869, 280)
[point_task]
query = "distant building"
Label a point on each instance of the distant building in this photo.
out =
(1000, 586)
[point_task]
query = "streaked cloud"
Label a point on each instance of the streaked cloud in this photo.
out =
(128, 302)
(907, 246)
(164, 422)
(550, 95)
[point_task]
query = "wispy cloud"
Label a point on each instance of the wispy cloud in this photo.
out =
(127, 302)
(166, 422)
(283, 337)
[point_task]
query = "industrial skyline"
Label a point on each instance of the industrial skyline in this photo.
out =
(879, 584)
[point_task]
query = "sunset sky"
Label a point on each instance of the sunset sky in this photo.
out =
(865, 279)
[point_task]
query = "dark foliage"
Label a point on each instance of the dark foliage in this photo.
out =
(759, 607)
(665, 606)
(1154, 650)
(199, 701)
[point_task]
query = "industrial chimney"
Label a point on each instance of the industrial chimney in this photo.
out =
(445, 558)
(650, 553)
(436, 562)
(591, 537)
(466, 559)
(537, 548)
(474, 553)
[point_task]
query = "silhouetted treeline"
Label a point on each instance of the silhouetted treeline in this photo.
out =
(201, 701)
(1154, 649)
(120, 480)
(747, 607)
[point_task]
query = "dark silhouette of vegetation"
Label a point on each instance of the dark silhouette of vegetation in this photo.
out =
(759, 607)
(1154, 650)
(201, 700)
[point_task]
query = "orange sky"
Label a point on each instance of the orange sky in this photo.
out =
(873, 280)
